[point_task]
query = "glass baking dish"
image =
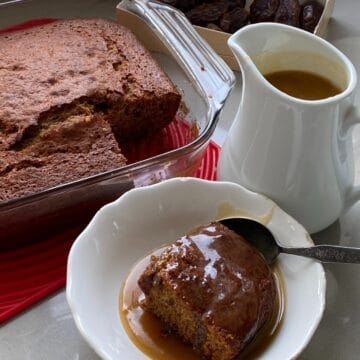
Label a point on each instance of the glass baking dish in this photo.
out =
(205, 82)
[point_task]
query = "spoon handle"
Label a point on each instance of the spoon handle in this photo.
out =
(327, 253)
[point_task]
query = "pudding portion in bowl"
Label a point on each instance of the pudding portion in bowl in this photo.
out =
(210, 288)
(120, 241)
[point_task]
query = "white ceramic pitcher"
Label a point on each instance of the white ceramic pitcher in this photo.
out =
(297, 152)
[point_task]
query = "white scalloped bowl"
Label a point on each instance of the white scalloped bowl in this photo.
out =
(145, 218)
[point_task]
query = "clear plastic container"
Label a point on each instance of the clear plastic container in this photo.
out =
(199, 73)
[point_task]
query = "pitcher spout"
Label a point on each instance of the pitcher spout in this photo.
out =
(239, 48)
(253, 43)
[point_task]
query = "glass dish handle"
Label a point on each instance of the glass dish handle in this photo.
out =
(213, 77)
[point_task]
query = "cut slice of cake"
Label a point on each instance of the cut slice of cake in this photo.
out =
(213, 289)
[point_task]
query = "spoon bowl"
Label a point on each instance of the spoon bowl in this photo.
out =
(263, 240)
(257, 234)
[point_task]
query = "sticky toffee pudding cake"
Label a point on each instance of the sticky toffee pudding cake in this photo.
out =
(84, 76)
(211, 288)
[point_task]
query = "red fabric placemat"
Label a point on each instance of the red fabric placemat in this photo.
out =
(32, 272)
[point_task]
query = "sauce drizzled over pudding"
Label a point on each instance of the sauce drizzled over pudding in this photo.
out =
(211, 289)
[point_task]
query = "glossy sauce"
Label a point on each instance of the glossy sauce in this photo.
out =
(303, 85)
(146, 332)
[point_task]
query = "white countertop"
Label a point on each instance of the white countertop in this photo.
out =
(47, 330)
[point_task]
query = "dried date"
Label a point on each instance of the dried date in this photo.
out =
(234, 20)
(186, 5)
(232, 4)
(310, 15)
(170, 2)
(206, 13)
(263, 10)
(288, 13)
(231, 15)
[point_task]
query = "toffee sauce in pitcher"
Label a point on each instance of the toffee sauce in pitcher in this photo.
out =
(302, 84)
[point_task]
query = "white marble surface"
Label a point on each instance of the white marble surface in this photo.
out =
(47, 331)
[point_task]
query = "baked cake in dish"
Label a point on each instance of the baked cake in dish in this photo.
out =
(212, 288)
(88, 76)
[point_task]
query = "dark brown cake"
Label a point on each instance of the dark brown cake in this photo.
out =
(82, 146)
(85, 68)
(213, 289)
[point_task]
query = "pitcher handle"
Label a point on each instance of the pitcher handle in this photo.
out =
(352, 118)
(213, 77)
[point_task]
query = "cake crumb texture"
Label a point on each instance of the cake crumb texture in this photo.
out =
(213, 289)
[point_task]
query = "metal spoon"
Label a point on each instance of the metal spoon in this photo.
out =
(261, 237)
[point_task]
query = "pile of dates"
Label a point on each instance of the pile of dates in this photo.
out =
(231, 15)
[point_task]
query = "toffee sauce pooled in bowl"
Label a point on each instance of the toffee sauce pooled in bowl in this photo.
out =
(207, 258)
(303, 85)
